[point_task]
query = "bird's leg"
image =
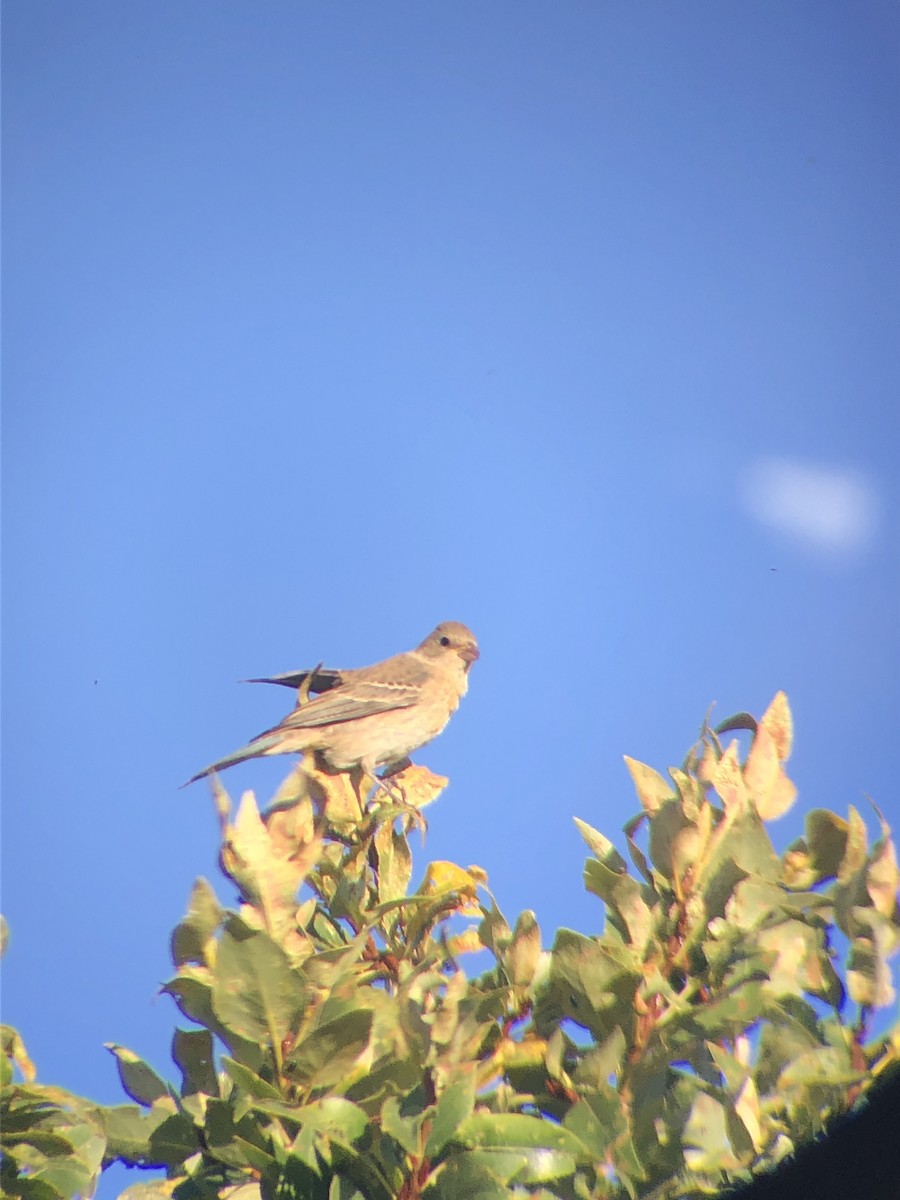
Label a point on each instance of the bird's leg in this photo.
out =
(392, 769)
(393, 791)
(394, 795)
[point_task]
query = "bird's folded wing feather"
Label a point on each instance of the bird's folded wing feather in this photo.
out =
(361, 698)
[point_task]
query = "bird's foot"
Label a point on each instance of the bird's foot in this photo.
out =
(396, 796)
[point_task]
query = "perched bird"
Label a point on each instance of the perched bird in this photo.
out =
(371, 716)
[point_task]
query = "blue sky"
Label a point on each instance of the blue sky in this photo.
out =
(324, 323)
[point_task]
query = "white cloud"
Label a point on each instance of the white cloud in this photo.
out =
(829, 508)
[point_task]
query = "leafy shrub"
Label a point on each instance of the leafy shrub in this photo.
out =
(337, 1049)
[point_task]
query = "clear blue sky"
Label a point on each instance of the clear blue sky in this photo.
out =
(576, 322)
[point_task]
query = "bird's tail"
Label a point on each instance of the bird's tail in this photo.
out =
(266, 744)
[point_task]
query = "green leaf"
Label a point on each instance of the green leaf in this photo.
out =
(513, 1131)
(329, 1052)
(192, 991)
(782, 1040)
(63, 1177)
(826, 836)
(394, 863)
(139, 1080)
(192, 1050)
(193, 939)
(247, 1081)
(599, 1064)
(404, 1127)
(601, 846)
(454, 1105)
(728, 1016)
(494, 930)
(628, 911)
(237, 1143)
(335, 1118)
(13, 1050)
(705, 1137)
(597, 1121)
(257, 994)
(48, 1142)
(631, 829)
(324, 1124)
(868, 972)
(733, 1072)
(670, 830)
(591, 983)
(524, 953)
(341, 1189)
(741, 848)
(387, 1078)
(752, 903)
(150, 1139)
(478, 1175)
(829, 1065)
(798, 961)
(650, 786)
(293, 1179)
(159, 1189)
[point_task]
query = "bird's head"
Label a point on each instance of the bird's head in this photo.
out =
(451, 637)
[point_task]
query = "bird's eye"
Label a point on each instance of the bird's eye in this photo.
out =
(445, 641)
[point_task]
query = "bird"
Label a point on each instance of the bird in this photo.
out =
(369, 717)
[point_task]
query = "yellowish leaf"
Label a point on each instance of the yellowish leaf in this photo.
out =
(728, 781)
(650, 786)
(693, 797)
(780, 799)
(799, 872)
(708, 763)
(779, 724)
(856, 848)
(771, 792)
(762, 765)
(688, 845)
(419, 785)
(269, 857)
(531, 1052)
(340, 794)
(467, 942)
(13, 1047)
(442, 878)
(883, 877)
(523, 955)
(746, 1106)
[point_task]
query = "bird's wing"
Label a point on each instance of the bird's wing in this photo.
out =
(367, 691)
(323, 679)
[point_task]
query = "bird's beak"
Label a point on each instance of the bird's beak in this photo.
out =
(468, 654)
